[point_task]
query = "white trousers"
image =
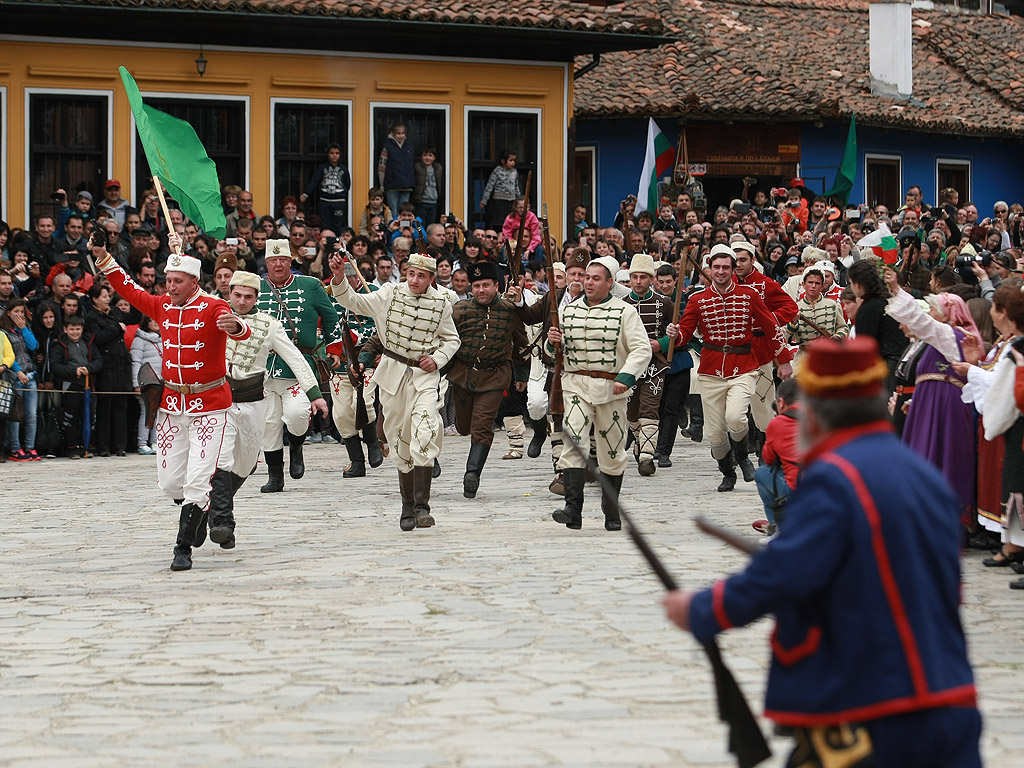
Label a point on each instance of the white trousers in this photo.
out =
(725, 409)
(763, 397)
(243, 437)
(189, 446)
(413, 426)
(536, 397)
(610, 428)
(287, 403)
(343, 405)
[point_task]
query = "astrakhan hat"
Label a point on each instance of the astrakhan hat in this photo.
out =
(642, 263)
(227, 261)
(187, 264)
(483, 270)
(577, 257)
(844, 369)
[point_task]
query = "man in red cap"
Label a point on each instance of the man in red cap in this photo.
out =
(869, 655)
(112, 202)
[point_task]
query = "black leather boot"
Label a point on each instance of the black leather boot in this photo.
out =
(696, 418)
(474, 465)
(540, 434)
(739, 452)
(295, 466)
(222, 505)
(373, 450)
(182, 558)
(666, 440)
(275, 471)
(405, 484)
(190, 520)
(435, 471)
(354, 446)
(571, 515)
(421, 495)
(728, 470)
(609, 503)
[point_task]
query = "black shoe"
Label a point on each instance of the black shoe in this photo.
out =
(296, 467)
(222, 504)
(696, 434)
(436, 471)
(103, 454)
(1002, 559)
(1018, 568)
(373, 450)
(728, 470)
(540, 434)
(1017, 584)
(664, 461)
(357, 467)
(182, 558)
(739, 452)
(646, 467)
(474, 466)
(571, 515)
(609, 502)
(275, 472)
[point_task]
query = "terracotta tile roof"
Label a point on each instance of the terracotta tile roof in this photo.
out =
(571, 15)
(808, 59)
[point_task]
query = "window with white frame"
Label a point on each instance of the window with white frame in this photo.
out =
(490, 133)
(302, 134)
(883, 180)
(953, 174)
(426, 126)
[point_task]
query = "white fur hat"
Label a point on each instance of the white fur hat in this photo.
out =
(642, 263)
(280, 248)
(246, 280)
(608, 262)
(187, 264)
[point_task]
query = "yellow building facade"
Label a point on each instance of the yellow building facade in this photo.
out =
(266, 116)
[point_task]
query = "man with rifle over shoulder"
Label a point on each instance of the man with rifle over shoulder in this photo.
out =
(493, 357)
(352, 413)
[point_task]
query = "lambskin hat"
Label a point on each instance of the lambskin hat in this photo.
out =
(845, 369)
(577, 257)
(187, 264)
(226, 261)
(642, 263)
(246, 280)
(278, 249)
(483, 270)
(422, 261)
(608, 262)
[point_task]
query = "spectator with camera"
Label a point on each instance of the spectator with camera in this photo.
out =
(375, 206)
(83, 207)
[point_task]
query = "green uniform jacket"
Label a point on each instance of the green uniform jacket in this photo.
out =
(310, 309)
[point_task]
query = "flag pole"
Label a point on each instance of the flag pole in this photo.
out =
(163, 205)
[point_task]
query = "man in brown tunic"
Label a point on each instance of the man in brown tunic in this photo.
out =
(493, 353)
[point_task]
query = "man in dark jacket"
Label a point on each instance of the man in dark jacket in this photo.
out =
(330, 183)
(73, 359)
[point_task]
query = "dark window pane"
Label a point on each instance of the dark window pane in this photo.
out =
(67, 148)
(489, 134)
(301, 136)
(883, 182)
(957, 176)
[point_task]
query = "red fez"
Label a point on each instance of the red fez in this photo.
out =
(842, 369)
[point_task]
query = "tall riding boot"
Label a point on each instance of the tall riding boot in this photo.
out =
(739, 452)
(295, 466)
(571, 515)
(728, 470)
(540, 433)
(755, 440)
(354, 446)
(189, 520)
(610, 503)
(405, 484)
(696, 418)
(421, 495)
(474, 465)
(666, 439)
(222, 505)
(375, 454)
(237, 481)
(275, 470)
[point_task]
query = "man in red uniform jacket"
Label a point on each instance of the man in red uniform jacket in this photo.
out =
(190, 425)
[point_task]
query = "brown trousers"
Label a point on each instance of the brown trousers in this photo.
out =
(475, 412)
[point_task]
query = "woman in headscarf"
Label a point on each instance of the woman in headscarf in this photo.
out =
(939, 425)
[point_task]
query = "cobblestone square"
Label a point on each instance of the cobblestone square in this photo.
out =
(329, 637)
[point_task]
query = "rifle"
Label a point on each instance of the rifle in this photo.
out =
(675, 309)
(355, 378)
(814, 326)
(513, 266)
(745, 738)
(555, 404)
(626, 230)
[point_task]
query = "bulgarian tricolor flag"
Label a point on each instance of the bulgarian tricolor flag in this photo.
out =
(882, 244)
(657, 162)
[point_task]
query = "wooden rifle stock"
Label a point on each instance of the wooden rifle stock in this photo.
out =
(355, 378)
(821, 331)
(675, 311)
(513, 266)
(555, 403)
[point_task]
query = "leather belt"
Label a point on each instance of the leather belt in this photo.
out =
(596, 374)
(904, 390)
(939, 377)
(729, 349)
(194, 389)
(401, 358)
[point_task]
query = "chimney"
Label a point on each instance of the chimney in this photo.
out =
(891, 46)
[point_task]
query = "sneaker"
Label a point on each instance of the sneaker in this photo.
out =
(328, 440)
(449, 431)
(314, 438)
(75, 455)
(146, 450)
(764, 527)
(18, 455)
(33, 456)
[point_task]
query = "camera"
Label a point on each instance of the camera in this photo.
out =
(984, 259)
(98, 239)
(329, 244)
(451, 217)
(853, 214)
(742, 208)
(766, 214)
(57, 195)
(793, 203)
(231, 241)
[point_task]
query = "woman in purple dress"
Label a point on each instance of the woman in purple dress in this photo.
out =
(940, 426)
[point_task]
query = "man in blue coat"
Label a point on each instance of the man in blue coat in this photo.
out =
(868, 653)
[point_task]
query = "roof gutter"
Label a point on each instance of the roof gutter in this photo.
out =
(592, 64)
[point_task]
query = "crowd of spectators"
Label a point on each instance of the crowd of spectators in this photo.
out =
(65, 332)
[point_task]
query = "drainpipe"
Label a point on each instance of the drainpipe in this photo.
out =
(577, 74)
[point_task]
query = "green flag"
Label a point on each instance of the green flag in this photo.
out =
(847, 166)
(179, 159)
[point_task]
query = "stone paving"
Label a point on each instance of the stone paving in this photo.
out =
(329, 637)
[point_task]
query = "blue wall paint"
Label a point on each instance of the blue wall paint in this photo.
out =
(997, 165)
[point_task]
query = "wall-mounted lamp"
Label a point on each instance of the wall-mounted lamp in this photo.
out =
(201, 62)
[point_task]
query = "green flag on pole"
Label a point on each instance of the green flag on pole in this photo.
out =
(847, 166)
(179, 159)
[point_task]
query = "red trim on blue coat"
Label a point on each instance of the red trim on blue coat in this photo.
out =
(718, 605)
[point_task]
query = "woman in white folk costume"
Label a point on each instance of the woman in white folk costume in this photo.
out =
(247, 416)
(415, 327)
(196, 396)
(604, 349)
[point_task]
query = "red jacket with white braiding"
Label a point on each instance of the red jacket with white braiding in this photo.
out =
(779, 304)
(729, 320)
